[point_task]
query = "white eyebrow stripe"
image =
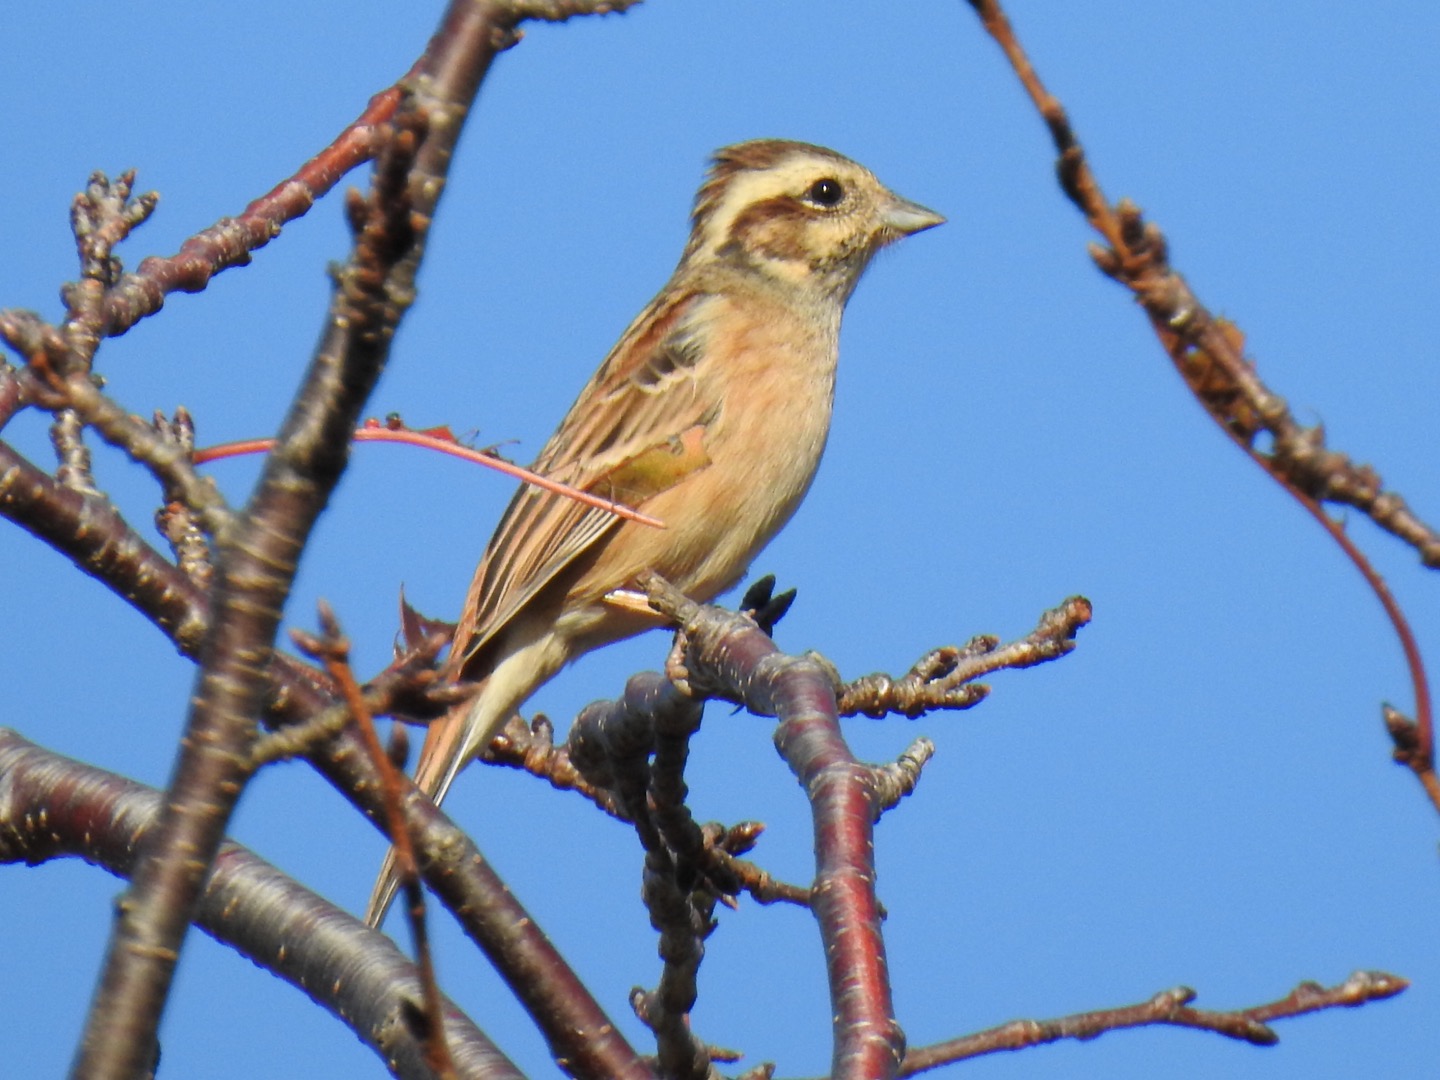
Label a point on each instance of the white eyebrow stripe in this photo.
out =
(746, 189)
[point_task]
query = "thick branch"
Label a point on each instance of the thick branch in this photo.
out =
(56, 807)
(91, 533)
(97, 539)
(727, 655)
(258, 557)
(582, 1038)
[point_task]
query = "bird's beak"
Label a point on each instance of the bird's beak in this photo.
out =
(906, 217)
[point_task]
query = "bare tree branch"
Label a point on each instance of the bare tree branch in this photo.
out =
(56, 807)
(613, 743)
(728, 656)
(1167, 1007)
(944, 678)
(91, 533)
(1209, 354)
(258, 557)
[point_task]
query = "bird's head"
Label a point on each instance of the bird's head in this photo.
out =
(802, 214)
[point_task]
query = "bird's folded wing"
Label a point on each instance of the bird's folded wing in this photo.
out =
(637, 429)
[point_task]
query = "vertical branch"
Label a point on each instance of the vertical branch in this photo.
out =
(730, 656)
(258, 557)
(613, 744)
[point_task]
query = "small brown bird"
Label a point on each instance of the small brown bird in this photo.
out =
(710, 413)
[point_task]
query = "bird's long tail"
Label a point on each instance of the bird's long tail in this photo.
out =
(444, 753)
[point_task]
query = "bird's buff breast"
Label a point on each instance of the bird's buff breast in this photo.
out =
(763, 445)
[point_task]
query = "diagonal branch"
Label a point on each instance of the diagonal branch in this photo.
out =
(1167, 1007)
(1209, 354)
(258, 557)
(56, 808)
(229, 242)
(97, 539)
(89, 531)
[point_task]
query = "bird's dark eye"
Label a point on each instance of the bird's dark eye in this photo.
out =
(826, 192)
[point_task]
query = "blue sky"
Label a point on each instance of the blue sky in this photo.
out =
(1200, 794)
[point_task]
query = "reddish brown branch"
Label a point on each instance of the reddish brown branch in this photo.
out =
(727, 655)
(1210, 355)
(230, 241)
(97, 539)
(92, 534)
(445, 443)
(722, 850)
(945, 678)
(56, 808)
(258, 557)
(333, 649)
(1167, 1007)
(582, 1038)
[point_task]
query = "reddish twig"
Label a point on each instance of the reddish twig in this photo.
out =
(333, 650)
(445, 443)
(1209, 354)
(230, 241)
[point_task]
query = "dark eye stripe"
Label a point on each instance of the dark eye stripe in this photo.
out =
(764, 228)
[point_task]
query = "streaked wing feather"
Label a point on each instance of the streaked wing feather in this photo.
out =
(632, 404)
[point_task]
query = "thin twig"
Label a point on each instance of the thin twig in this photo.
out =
(531, 748)
(333, 650)
(1167, 1007)
(373, 432)
(1209, 354)
(898, 779)
(944, 678)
